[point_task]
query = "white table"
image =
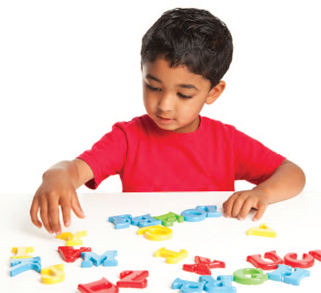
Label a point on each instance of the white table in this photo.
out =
(296, 221)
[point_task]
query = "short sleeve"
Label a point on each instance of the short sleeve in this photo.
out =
(107, 156)
(254, 162)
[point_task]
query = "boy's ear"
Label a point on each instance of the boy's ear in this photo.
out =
(215, 92)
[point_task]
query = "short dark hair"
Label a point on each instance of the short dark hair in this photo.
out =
(191, 37)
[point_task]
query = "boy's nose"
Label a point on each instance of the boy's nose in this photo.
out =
(166, 102)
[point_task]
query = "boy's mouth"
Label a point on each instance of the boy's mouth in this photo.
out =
(164, 120)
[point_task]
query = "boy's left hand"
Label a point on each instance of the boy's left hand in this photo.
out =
(240, 203)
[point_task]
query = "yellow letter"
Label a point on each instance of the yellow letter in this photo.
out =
(72, 239)
(156, 233)
(263, 230)
(22, 251)
(172, 257)
(52, 275)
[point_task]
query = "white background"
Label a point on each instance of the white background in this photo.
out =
(70, 69)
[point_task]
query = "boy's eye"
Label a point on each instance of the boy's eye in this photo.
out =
(184, 96)
(156, 89)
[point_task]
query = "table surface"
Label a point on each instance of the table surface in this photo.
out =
(296, 221)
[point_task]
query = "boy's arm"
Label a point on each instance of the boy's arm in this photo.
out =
(59, 188)
(287, 181)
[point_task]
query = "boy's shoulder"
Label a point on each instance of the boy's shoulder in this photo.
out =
(216, 123)
(218, 128)
(139, 122)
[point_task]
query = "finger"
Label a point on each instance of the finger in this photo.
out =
(238, 205)
(44, 215)
(228, 205)
(65, 209)
(75, 205)
(53, 210)
(247, 206)
(261, 209)
(34, 212)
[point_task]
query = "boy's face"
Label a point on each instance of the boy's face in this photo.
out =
(174, 97)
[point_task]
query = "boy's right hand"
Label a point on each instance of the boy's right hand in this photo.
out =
(57, 189)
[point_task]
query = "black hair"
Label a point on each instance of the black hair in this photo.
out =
(191, 37)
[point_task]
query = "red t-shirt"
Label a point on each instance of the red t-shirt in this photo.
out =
(150, 159)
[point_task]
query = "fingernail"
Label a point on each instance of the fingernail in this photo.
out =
(241, 219)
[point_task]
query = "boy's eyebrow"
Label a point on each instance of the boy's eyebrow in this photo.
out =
(188, 86)
(153, 78)
(185, 86)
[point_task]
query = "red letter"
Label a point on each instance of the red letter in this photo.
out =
(306, 262)
(258, 262)
(316, 254)
(133, 279)
(101, 286)
(69, 254)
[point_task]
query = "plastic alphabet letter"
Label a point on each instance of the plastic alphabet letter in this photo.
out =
(172, 257)
(201, 269)
(70, 254)
(22, 251)
(72, 239)
(211, 211)
(263, 230)
(203, 265)
(107, 259)
(20, 265)
(285, 274)
(257, 276)
(194, 215)
(53, 275)
(306, 262)
(316, 254)
(296, 277)
(156, 233)
(145, 220)
(121, 222)
(223, 284)
(279, 274)
(214, 264)
(169, 219)
(133, 279)
(258, 262)
(188, 286)
(101, 286)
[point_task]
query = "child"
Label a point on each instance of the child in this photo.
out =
(184, 56)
